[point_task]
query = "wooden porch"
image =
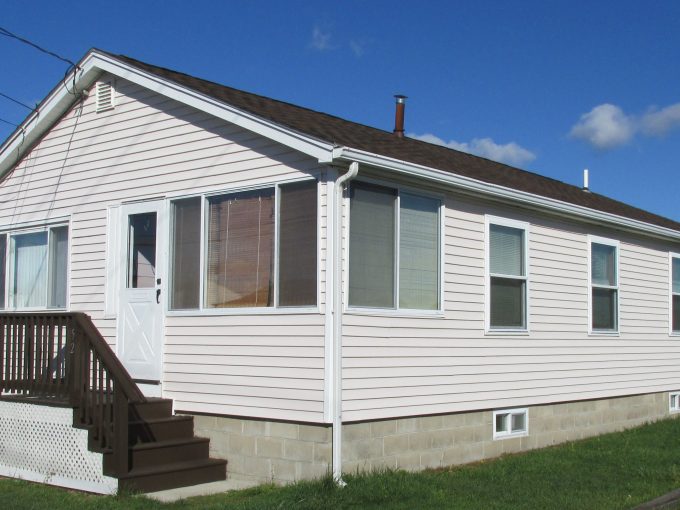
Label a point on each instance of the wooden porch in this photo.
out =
(61, 359)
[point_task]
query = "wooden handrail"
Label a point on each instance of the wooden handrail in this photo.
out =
(111, 361)
(62, 356)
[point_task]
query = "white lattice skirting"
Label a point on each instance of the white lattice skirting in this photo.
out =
(39, 443)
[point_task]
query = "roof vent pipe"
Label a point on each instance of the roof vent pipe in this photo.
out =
(585, 180)
(399, 115)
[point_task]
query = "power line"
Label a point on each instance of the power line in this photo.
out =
(7, 33)
(8, 122)
(16, 101)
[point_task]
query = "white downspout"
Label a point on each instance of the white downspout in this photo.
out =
(337, 322)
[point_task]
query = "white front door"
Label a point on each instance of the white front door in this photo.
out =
(140, 327)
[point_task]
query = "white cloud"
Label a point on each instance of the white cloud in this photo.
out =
(511, 153)
(357, 48)
(659, 122)
(321, 40)
(607, 126)
(604, 127)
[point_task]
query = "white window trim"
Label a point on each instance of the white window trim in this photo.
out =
(522, 225)
(32, 228)
(509, 433)
(617, 245)
(671, 256)
(672, 409)
(260, 310)
(396, 311)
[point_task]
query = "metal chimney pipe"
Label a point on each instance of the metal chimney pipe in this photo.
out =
(399, 115)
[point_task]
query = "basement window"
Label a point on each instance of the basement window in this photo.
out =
(510, 423)
(674, 402)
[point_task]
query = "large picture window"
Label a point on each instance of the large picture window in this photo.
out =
(259, 249)
(507, 262)
(394, 249)
(604, 283)
(33, 269)
(675, 293)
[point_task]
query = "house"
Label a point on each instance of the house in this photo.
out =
(308, 293)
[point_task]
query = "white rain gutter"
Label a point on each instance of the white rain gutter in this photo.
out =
(336, 410)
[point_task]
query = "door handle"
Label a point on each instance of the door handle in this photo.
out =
(158, 296)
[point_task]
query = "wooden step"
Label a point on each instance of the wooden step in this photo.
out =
(159, 453)
(160, 429)
(170, 476)
(153, 408)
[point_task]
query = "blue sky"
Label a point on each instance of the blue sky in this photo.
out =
(552, 87)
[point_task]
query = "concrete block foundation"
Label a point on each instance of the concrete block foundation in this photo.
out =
(281, 452)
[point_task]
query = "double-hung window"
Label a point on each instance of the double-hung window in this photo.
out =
(604, 285)
(33, 268)
(508, 274)
(675, 294)
(394, 246)
(259, 249)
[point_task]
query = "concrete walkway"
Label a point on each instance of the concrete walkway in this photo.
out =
(204, 489)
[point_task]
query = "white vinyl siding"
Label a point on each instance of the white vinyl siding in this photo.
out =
(268, 366)
(409, 366)
(271, 365)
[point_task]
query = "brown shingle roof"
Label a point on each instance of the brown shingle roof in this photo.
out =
(358, 136)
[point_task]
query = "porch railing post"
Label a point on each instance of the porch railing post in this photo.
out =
(120, 432)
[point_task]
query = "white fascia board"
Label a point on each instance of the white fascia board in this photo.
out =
(505, 194)
(94, 63)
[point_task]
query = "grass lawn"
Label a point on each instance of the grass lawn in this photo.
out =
(613, 471)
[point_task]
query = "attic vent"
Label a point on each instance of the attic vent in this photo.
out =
(105, 95)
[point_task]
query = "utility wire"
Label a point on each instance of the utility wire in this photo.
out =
(7, 33)
(8, 122)
(16, 101)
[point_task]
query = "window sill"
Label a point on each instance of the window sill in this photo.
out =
(386, 312)
(604, 333)
(212, 312)
(510, 435)
(507, 332)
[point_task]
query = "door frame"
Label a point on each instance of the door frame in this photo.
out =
(159, 206)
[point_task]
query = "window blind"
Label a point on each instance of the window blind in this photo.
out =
(3, 254)
(240, 250)
(371, 246)
(418, 252)
(29, 278)
(297, 244)
(506, 251)
(58, 272)
(603, 264)
(185, 253)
